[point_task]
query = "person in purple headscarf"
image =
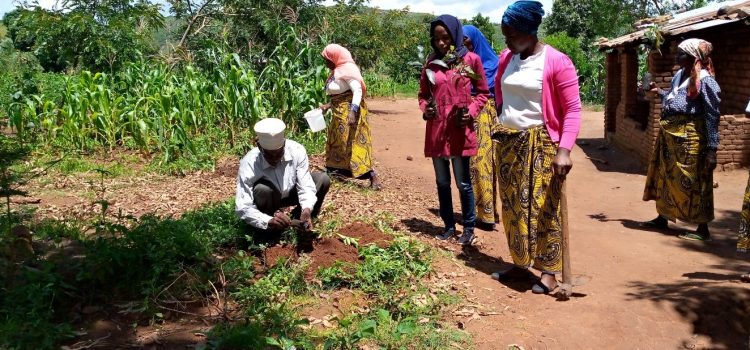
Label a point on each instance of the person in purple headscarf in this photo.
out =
(445, 98)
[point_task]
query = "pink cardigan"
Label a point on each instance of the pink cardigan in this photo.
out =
(443, 137)
(561, 100)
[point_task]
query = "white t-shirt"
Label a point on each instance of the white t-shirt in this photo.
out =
(338, 86)
(522, 92)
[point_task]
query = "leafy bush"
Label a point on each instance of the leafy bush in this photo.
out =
(589, 65)
(30, 306)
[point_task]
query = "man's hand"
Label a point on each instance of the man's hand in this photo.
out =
(306, 218)
(279, 222)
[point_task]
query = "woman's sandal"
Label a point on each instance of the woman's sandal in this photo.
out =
(655, 224)
(694, 236)
(514, 273)
(541, 288)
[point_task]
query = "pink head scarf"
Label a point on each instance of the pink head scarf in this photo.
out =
(345, 69)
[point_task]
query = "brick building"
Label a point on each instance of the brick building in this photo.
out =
(632, 116)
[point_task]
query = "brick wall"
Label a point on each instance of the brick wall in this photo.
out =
(731, 58)
(612, 92)
(734, 150)
(622, 128)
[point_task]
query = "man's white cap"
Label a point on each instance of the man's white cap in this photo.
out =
(270, 132)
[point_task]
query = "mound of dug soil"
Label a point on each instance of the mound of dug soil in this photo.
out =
(326, 252)
(366, 235)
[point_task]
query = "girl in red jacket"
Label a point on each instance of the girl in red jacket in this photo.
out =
(445, 99)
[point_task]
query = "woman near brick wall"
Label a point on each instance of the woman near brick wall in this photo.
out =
(743, 240)
(680, 175)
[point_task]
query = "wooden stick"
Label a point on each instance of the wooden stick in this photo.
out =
(566, 289)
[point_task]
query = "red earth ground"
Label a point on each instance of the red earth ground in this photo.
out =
(647, 290)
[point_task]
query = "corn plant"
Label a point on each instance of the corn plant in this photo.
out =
(160, 109)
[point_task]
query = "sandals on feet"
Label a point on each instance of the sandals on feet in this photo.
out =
(514, 273)
(541, 288)
(694, 236)
(655, 224)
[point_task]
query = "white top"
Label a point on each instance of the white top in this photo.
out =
(338, 86)
(522, 92)
(292, 172)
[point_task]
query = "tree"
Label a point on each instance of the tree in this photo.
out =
(12, 152)
(592, 19)
(241, 26)
(485, 26)
(95, 35)
(383, 39)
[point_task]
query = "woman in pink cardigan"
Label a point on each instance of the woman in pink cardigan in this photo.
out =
(539, 108)
(445, 99)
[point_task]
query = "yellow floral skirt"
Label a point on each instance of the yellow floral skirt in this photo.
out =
(743, 242)
(348, 148)
(530, 195)
(483, 169)
(677, 178)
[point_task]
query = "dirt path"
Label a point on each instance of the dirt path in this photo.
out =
(647, 290)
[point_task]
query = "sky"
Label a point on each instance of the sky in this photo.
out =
(462, 9)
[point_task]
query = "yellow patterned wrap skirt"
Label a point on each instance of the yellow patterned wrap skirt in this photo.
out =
(348, 148)
(483, 167)
(743, 243)
(530, 195)
(677, 178)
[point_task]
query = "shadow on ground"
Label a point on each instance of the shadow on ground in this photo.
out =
(723, 239)
(609, 158)
(716, 310)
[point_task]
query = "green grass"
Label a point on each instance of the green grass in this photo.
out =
(138, 263)
(594, 107)
(381, 85)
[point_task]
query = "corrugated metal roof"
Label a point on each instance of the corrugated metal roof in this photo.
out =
(702, 18)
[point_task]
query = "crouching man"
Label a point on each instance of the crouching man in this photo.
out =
(275, 175)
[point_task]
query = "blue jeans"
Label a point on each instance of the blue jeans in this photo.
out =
(463, 182)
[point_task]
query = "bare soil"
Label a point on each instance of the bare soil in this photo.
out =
(325, 252)
(645, 290)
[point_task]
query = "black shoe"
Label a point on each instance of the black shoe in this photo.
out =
(467, 238)
(447, 234)
(514, 273)
(485, 226)
(659, 223)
